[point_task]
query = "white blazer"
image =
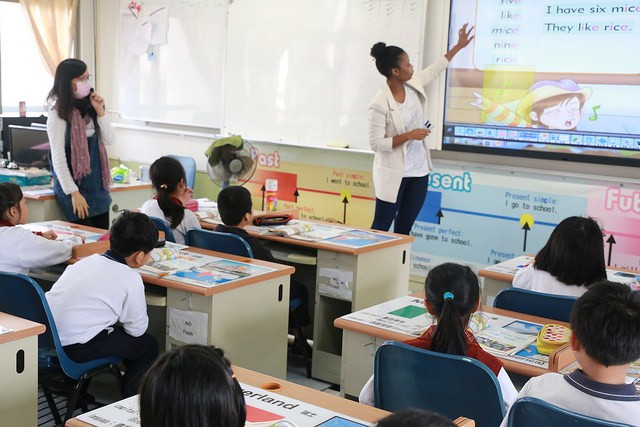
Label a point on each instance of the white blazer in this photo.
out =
(385, 122)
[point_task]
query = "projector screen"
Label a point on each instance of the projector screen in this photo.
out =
(558, 80)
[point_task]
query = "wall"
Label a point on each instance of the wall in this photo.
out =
(485, 200)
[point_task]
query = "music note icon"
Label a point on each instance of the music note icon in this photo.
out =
(595, 114)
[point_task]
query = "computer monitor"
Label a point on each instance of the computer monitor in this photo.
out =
(16, 121)
(30, 146)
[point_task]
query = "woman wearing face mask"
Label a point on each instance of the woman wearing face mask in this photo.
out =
(78, 129)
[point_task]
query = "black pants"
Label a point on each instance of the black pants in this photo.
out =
(405, 210)
(137, 353)
(301, 312)
(98, 221)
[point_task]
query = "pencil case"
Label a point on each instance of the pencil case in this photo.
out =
(552, 336)
(272, 219)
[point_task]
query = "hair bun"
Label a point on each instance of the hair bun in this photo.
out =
(378, 50)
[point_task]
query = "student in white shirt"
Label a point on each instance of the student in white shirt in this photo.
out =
(570, 261)
(20, 248)
(99, 306)
(169, 181)
(605, 339)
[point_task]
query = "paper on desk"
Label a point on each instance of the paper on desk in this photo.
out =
(189, 327)
(511, 266)
(5, 330)
(264, 408)
(339, 283)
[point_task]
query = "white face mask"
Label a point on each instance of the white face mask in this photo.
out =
(83, 88)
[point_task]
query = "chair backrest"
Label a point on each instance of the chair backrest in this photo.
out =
(557, 307)
(454, 386)
(162, 225)
(21, 296)
(189, 165)
(530, 412)
(218, 241)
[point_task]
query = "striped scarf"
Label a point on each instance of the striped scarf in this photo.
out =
(80, 162)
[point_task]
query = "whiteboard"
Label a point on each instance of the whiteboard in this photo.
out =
(181, 81)
(299, 71)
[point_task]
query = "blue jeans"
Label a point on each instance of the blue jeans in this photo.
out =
(405, 210)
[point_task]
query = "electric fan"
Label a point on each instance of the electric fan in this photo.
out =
(229, 161)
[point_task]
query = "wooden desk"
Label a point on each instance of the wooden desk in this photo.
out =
(304, 394)
(373, 273)
(361, 341)
(242, 315)
(19, 371)
(44, 207)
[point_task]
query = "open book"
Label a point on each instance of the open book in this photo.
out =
(293, 227)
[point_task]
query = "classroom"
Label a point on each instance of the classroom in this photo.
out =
(531, 145)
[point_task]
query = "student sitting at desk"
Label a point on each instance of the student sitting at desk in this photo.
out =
(452, 294)
(570, 261)
(21, 249)
(169, 181)
(236, 212)
(99, 306)
(192, 385)
(605, 338)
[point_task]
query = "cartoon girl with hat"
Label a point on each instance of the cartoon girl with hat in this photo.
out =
(548, 105)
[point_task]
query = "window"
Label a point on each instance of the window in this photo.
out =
(23, 76)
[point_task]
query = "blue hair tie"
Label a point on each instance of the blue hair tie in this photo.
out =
(447, 295)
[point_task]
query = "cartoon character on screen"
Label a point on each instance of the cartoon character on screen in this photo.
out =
(547, 105)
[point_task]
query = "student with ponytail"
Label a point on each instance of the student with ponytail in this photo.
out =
(452, 294)
(169, 181)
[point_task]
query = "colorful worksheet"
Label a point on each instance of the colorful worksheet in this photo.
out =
(63, 231)
(264, 409)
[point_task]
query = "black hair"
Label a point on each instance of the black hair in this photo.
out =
(574, 253)
(10, 196)
(191, 385)
(414, 417)
(606, 321)
(233, 203)
(61, 95)
(132, 232)
(387, 57)
(452, 313)
(165, 174)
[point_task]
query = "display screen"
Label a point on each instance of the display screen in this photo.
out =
(558, 80)
(30, 146)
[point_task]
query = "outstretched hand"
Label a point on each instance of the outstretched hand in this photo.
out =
(464, 36)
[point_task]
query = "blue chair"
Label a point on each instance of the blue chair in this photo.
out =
(556, 307)
(454, 386)
(218, 241)
(189, 166)
(162, 225)
(530, 412)
(21, 296)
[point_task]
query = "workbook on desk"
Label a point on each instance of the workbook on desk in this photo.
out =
(198, 269)
(63, 231)
(264, 409)
(502, 336)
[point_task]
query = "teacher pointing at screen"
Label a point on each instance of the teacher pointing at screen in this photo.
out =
(398, 126)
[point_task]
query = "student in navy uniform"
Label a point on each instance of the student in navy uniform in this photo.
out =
(169, 180)
(78, 130)
(20, 248)
(236, 211)
(605, 338)
(192, 385)
(452, 295)
(99, 306)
